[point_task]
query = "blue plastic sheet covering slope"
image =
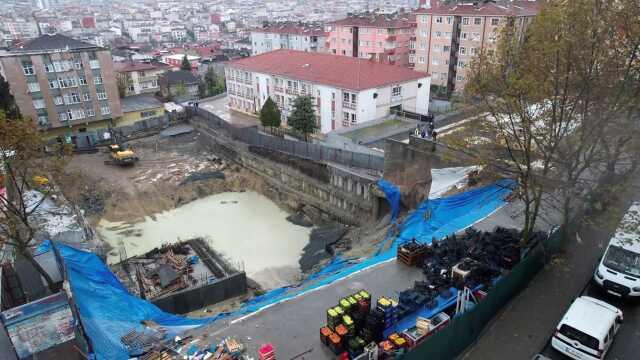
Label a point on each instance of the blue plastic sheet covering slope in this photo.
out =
(444, 216)
(447, 216)
(392, 193)
(107, 310)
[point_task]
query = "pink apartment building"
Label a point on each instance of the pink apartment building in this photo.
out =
(384, 38)
(448, 36)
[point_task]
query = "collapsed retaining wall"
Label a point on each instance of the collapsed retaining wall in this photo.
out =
(337, 192)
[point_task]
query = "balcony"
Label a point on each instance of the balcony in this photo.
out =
(349, 105)
(291, 91)
(278, 89)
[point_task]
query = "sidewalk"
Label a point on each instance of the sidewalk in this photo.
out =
(525, 325)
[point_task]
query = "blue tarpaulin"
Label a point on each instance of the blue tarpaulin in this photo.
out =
(108, 311)
(392, 193)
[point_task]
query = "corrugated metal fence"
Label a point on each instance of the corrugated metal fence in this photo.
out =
(316, 152)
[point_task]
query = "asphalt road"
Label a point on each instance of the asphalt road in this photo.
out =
(626, 345)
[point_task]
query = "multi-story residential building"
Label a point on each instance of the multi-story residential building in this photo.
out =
(294, 36)
(140, 77)
(180, 86)
(448, 36)
(384, 38)
(346, 91)
(23, 29)
(175, 60)
(65, 85)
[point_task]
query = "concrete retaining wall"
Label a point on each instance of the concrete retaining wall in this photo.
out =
(197, 298)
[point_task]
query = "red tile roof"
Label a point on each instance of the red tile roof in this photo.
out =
(376, 20)
(293, 29)
(130, 66)
(514, 8)
(333, 70)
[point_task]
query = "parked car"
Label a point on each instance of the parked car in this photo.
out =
(587, 330)
(619, 270)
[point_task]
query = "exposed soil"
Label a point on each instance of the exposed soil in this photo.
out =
(171, 172)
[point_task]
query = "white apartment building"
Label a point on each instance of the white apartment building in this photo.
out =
(288, 36)
(346, 91)
(141, 77)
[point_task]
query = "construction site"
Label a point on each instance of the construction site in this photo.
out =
(268, 254)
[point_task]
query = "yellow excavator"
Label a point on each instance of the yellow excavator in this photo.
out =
(120, 155)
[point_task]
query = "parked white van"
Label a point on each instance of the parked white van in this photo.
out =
(587, 330)
(619, 270)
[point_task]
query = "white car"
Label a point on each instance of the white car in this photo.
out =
(619, 270)
(587, 330)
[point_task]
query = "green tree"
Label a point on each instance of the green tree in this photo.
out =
(124, 82)
(186, 65)
(270, 114)
(23, 157)
(180, 90)
(562, 103)
(7, 101)
(303, 116)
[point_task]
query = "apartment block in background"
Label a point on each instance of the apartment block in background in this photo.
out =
(65, 85)
(381, 37)
(448, 36)
(294, 36)
(140, 77)
(346, 91)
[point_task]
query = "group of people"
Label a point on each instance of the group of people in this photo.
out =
(425, 131)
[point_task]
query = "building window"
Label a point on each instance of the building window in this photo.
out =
(49, 68)
(438, 19)
(53, 84)
(423, 45)
(58, 100)
(72, 98)
(345, 96)
(77, 64)
(101, 95)
(397, 90)
(105, 110)
(94, 64)
(63, 116)
(438, 34)
(66, 82)
(462, 64)
(477, 21)
(495, 21)
(459, 78)
(27, 68)
(446, 48)
(97, 80)
(449, 20)
(33, 87)
(463, 50)
(423, 19)
(353, 119)
(472, 51)
(465, 21)
(39, 104)
(90, 113)
(86, 97)
(447, 34)
(412, 58)
(145, 114)
(463, 35)
(435, 62)
(421, 60)
(345, 119)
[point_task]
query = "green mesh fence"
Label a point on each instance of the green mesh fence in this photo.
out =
(464, 330)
